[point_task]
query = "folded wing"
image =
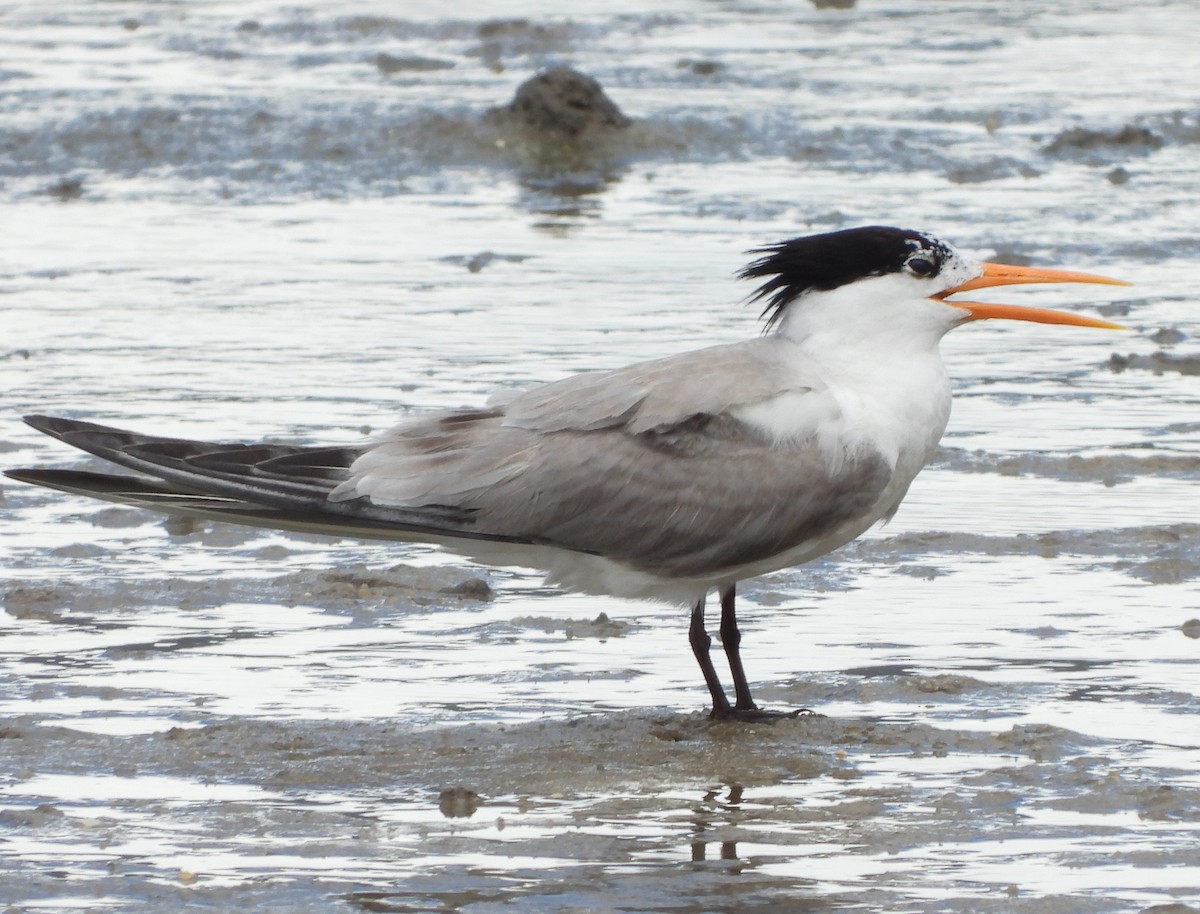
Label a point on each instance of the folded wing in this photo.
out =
(649, 466)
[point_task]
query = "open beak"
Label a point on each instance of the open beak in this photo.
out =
(999, 274)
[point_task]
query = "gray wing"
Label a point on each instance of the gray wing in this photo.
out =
(683, 501)
(661, 392)
(648, 466)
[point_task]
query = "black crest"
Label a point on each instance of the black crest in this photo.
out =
(827, 261)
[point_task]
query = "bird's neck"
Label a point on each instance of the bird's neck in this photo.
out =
(891, 394)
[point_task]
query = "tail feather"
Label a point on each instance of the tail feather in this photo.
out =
(282, 486)
(155, 496)
(189, 463)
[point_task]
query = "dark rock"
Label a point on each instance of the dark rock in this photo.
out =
(561, 103)
(1085, 139)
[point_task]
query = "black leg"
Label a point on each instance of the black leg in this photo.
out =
(731, 638)
(701, 643)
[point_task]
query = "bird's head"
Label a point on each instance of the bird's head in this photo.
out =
(890, 275)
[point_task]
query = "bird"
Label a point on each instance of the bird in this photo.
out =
(664, 480)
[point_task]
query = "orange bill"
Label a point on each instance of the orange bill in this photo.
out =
(999, 274)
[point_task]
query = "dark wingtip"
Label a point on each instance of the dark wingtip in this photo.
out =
(60, 427)
(50, 425)
(23, 474)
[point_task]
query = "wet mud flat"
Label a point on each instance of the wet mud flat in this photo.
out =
(638, 811)
(532, 767)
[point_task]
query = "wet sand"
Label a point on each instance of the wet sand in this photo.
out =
(631, 811)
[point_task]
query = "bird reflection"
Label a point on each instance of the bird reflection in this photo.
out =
(702, 822)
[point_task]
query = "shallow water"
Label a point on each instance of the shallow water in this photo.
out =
(238, 220)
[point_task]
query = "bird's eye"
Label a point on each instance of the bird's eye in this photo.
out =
(921, 266)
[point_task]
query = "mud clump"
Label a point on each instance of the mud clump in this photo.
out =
(470, 589)
(1091, 142)
(518, 37)
(567, 139)
(1168, 336)
(388, 64)
(361, 585)
(1159, 362)
(602, 627)
(459, 802)
(1108, 469)
(560, 105)
(65, 189)
(39, 816)
(995, 169)
(944, 683)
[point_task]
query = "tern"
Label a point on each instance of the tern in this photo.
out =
(663, 480)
